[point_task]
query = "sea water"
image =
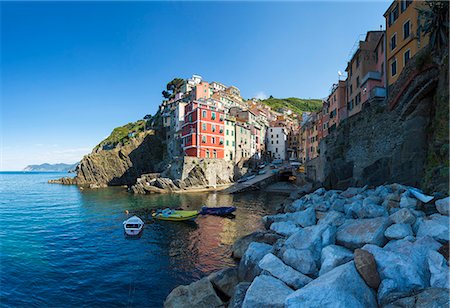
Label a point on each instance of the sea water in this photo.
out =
(63, 247)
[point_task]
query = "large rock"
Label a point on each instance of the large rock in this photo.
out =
(402, 266)
(427, 298)
(356, 233)
(241, 245)
(312, 238)
(367, 268)
(341, 287)
(285, 228)
(435, 226)
(333, 256)
(225, 280)
(302, 260)
(438, 269)
(237, 299)
(403, 216)
(443, 205)
(287, 274)
(332, 218)
(302, 218)
(198, 294)
(248, 267)
(266, 291)
(408, 202)
(398, 231)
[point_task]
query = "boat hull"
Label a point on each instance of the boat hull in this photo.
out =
(218, 211)
(177, 216)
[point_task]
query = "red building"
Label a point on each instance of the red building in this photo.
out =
(203, 130)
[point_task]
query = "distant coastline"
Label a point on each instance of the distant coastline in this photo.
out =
(61, 167)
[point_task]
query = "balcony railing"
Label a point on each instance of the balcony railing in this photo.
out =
(371, 75)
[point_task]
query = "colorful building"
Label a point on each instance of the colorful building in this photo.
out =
(276, 142)
(243, 141)
(363, 61)
(230, 138)
(337, 105)
(402, 37)
(203, 130)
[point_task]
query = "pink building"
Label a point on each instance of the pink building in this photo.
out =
(373, 84)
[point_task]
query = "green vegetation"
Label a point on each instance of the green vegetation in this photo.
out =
(122, 134)
(434, 21)
(172, 88)
(297, 105)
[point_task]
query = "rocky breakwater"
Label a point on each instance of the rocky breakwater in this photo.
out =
(360, 247)
(187, 173)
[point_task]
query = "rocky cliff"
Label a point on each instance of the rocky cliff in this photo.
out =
(391, 141)
(129, 152)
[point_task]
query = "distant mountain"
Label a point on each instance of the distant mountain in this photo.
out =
(52, 167)
(297, 105)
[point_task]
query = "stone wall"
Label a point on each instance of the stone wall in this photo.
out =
(380, 145)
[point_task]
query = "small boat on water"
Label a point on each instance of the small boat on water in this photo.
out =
(175, 215)
(133, 225)
(218, 211)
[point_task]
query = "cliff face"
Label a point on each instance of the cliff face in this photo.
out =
(129, 152)
(382, 144)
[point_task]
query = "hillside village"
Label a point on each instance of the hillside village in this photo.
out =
(211, 120)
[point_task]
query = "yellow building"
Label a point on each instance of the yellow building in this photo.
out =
(402, 36)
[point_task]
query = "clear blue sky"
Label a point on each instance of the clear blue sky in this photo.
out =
(71, 72)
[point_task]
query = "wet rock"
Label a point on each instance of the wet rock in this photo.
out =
(248, 267)
(443, 205)
(301, 260)
(367, 268)
(333, 256)
(427, 298)
(355, 233)
(237, 299)
(398, 231)
(198, 294)
(338, 205)
(285, 228)
(285, 273)
(439, 270)
(435, 226)
(266, 291)
(403, 216)
(350, 192)
(225, 280)
(241, 245)
(341, 287)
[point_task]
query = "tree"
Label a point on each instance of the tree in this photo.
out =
(172, 88)
(434, 20)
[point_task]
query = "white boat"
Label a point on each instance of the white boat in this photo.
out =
(133, 225)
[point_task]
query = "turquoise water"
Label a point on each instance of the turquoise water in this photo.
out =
(63, 247)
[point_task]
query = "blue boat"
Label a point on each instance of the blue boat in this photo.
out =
(217, 211)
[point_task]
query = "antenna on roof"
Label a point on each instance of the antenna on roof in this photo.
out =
(381, 27)
(339, 75)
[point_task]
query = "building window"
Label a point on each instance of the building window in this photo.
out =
(406, 29)
(213, 128)
(393, 15)
(357, 61)
(406, 57)
(221, 141)
(227, 132)
(214, 153)
(220, 129)
(204, 126)
(213, 140)
(394, 68)
(232, 133)
(190, 118)
(357, 82)
(351, 89)
(276, 150)
(204, 139)
(228, 143)
(393, 41)
(404, 5)
(207, 153)
(272, 142)
(213, 115)
(204, 114)
(232, 143)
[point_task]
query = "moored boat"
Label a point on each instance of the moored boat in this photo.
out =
(175, 215)
(133, 225)
(218, 211)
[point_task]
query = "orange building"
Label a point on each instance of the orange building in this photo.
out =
(203, 130)
(402, 36)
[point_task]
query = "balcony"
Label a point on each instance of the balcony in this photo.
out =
(371, 75)
(377, 92)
